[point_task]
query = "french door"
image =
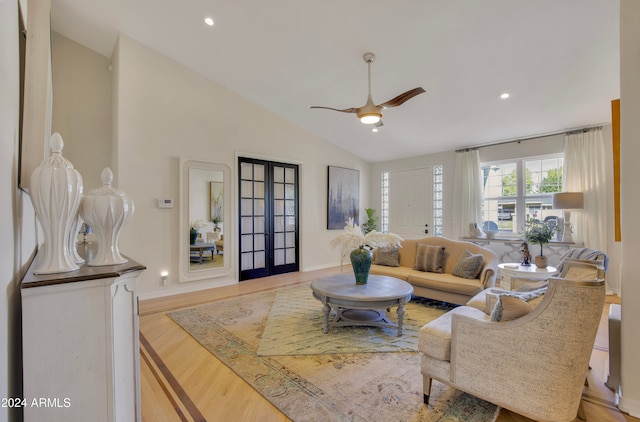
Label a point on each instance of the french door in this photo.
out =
(268, 218)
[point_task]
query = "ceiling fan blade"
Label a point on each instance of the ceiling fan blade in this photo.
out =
(346, 110)
(400, 99)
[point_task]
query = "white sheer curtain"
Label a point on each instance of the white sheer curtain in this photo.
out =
(467, 192)
(585, 171)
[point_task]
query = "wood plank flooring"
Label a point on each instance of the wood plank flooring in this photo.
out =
(182, 381)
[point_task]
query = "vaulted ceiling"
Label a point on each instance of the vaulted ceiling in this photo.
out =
(558, 60)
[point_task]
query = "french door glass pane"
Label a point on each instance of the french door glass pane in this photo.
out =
(246, 225)
(291, 207)
(290, 224)
(246, 261)
(289, 175)
(291, 256)
(278, 207)
(279, 224)
(290, 191)
(279, 240)
(278, 175)
(259, 260)
(278, 191)
(258, 224)
(246, 171)
(246, 207)
(258, 189)
(258, 207)
(279, 257)
(258, 171)
(247, 243)
(290, 240)
(246, 190)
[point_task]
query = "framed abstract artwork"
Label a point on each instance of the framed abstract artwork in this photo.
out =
(343, 199)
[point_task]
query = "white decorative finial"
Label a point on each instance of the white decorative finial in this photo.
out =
(107, 176)
(56, 143)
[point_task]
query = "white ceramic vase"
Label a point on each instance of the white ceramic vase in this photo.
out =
(106, 210)
(73, 239)
(55, 191)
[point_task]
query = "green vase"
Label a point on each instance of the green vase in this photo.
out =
(361, 262)
(193, 235)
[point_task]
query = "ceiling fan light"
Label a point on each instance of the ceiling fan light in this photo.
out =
(370, 118)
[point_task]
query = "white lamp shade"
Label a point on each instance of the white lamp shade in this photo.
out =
(568, 201)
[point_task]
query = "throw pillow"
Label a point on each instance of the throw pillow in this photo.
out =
(429, 258)
(508, 308)
(469, 265)
(388, 257)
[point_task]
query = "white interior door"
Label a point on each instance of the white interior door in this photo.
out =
(411, 202)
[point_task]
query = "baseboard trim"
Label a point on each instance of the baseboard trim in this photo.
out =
(632, 407)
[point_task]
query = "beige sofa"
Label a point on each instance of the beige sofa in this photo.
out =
(442, 286)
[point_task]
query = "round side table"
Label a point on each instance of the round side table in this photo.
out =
(515, 270)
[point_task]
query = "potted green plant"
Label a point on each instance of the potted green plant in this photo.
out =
(540, 233)
(372, 221)
(216, 220)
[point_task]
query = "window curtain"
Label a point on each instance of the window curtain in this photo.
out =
(468, 192)
(585, 171)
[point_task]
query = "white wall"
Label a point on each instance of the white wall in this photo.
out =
(17, 225)
(163, 111)
(630, 201)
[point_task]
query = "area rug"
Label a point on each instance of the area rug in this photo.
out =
(327, 387)
(295, 327)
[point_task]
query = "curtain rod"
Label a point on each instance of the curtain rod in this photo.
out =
(530, 138)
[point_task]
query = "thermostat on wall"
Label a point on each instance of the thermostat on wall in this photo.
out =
(165, 203)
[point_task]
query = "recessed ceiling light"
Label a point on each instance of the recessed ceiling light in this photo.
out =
(208, 21)
(375, 129)
(504, 95)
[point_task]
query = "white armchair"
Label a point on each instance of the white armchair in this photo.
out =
(534, 365)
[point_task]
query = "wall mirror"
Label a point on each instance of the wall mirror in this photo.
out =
(204, 213)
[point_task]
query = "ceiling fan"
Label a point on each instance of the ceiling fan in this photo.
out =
(370, 113)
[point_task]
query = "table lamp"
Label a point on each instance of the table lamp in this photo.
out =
(567, 201)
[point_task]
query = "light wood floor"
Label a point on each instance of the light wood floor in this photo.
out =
(181, 381)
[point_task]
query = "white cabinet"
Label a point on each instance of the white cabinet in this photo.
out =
(81, 344)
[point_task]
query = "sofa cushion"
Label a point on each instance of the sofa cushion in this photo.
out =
(469, 265)
(429, 258)
(434, 339)
(445, 282)
(397, 272)
(388, 257)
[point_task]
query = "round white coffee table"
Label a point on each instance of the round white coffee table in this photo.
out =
(515, 270)
(361, 304)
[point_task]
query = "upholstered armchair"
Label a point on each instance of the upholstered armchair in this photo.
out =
(534, 365)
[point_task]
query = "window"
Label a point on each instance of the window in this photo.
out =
(516, 191)
(384, 194)
(437, 200)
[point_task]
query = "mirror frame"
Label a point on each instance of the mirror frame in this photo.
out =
(185, 273)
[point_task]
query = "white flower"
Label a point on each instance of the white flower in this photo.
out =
(199, 224)
(352, 238)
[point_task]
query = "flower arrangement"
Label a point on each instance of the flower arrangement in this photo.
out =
(540, 232)
(198, 224)
(352, 238)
